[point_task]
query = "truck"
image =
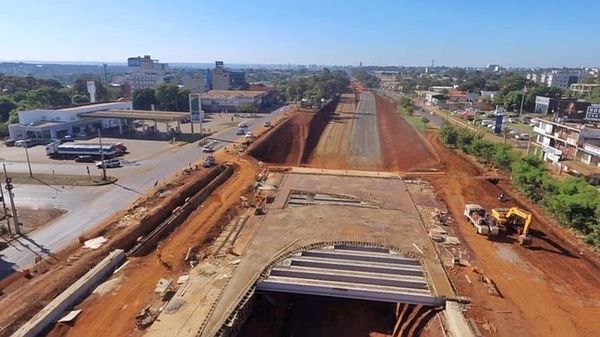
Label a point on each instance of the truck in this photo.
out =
(479, 218)
(72, 150)
(208, 161)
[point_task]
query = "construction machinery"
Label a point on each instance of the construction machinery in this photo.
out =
(480, 219)
(514, 217)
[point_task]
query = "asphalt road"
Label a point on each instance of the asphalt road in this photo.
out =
(364, 141)
(90, 206)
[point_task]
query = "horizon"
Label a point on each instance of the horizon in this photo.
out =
(461, 33)
(117, 63)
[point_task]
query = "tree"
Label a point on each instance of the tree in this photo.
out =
(512, 101)
(166, 95)
(143, 99)
(448, 134)
(425, 121)
(79, 98)
(7, 105)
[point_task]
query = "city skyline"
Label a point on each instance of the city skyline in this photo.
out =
(461, 33)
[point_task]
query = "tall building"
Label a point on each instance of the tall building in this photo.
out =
(144, 72)
(226, 79)
(196, 82)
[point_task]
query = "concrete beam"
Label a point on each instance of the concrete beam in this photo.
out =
(52, 312)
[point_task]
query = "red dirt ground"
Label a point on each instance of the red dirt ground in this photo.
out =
(402, 146)
(548, 288)
(119, 307)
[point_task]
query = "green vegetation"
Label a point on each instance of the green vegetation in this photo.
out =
(406, 108)
(572, 201)
(166, 96)
(25, 93)
(315, 87)
(366, 78)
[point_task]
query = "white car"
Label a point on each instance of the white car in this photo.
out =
(109, 163)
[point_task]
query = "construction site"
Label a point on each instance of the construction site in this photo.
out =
(342, 221)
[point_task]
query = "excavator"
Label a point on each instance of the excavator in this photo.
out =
(514, 216)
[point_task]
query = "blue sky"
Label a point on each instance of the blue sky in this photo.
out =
(462, 33)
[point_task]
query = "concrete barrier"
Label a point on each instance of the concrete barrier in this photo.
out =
(149, 242)
(55, 309)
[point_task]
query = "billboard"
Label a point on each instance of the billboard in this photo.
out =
(498, 125)
(196, 113)
(542, 104)
(570, 110)
(593, 113)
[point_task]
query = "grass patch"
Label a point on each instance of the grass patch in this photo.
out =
(407, 113)
(59, 179)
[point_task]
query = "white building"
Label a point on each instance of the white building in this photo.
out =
(582, 88)
(195, 83)
(144, 72)
(573, 146)
(231, 100)
(57, 123)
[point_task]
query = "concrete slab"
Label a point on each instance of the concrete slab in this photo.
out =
(285, 231)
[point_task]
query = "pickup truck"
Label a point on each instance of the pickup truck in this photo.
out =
(479, 218)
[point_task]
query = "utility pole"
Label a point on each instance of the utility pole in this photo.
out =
(27, 155)
(102, 156)
(5, 210)
(15, 215)
(522, 100)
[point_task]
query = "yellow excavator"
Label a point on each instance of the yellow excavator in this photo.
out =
(514, 216)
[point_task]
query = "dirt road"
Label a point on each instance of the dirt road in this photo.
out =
(548, 289)
(403, 147)
(332, 148)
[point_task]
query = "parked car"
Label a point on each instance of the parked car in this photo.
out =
(10, 143)
(109, 163)
(267, 124)
(84, 159)
(522, 136)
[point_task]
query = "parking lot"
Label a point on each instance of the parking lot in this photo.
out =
(139, 151)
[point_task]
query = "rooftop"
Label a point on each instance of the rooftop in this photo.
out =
(231, 93)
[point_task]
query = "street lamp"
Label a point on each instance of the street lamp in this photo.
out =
(27, 155)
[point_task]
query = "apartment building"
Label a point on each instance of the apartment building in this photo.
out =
(575, 147)
(144, 72)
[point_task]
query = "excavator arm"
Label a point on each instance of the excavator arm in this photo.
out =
(524, 238)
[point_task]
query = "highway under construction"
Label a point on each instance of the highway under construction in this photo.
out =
(345, 221)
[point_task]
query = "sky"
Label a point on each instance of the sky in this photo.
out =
(512, 33)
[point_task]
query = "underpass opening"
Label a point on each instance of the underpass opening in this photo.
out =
(339, 290)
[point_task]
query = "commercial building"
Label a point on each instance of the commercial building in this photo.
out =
(574, 147)
(194, 82)
(226, 79)
(582, 88)
(144, 72)
(231, 100)
(60, 122)
(557, 79)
